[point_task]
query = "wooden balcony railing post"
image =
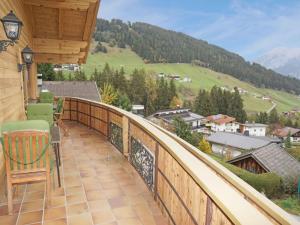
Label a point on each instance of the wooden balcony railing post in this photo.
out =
(125, 126)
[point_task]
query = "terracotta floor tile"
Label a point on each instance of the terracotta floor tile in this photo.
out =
(76, 198)
(62, 221)
(83, 219)
(161, 220)
(100, 217)
(30, 217)
(32, 206)
(74, 190)
(118, 202)
(124, 213)
(4, 209)
(8, 220)
(31, 196)
(132, 221)
(94, 195)
(77, 209)
(54, 213)
(57, 201)
(99, 205)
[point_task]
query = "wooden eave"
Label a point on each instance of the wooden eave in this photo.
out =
(62, 29)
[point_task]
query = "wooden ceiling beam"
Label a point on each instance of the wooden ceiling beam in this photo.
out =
(54, 43)
(66, 4)
(58, 59)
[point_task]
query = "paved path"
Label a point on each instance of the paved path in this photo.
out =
(273, 106)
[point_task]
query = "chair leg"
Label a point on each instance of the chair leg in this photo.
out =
(10, 198)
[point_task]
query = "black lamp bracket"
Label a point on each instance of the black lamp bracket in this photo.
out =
(21, 66)
(5, 43)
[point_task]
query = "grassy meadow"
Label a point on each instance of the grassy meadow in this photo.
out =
(201, 78)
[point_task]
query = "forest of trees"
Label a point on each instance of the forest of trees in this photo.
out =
(158, 45)
(138, 88)
(218, 101)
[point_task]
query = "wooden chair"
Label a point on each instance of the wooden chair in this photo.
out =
(26, 152)
(46, 97)
(58, 115)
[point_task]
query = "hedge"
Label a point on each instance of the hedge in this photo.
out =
(268, 183)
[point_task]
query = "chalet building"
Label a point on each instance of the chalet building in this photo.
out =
(271, 158)
(222, 123)
(224, 143)
(253, 129)
(197, 122)
(284, 132)
(80, 89)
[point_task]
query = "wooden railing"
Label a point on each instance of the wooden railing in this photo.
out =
(188, 185)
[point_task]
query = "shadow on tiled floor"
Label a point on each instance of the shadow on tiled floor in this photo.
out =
(99, 186)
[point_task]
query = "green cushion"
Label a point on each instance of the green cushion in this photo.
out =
(40, 111)
(36, 125)
(59, 107)
(46, 97)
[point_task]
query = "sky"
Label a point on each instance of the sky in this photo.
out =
(250, 28)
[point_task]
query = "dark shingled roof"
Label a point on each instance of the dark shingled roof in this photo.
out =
(238, 140)
(81, 89)
(274, 159)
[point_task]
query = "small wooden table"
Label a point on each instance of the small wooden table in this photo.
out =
(55, 141)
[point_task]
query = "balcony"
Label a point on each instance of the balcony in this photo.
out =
(99, 186)
(120, 169)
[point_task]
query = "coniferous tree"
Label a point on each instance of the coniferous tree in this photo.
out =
(47, 71)
(137, 85)
(236, 107)
(182, 129)
(80, 76)
(273, 117)
(59, 76)
(287, 141)
(262, 117)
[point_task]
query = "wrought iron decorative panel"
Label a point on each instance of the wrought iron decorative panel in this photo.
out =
(116, 137)
(143, 161)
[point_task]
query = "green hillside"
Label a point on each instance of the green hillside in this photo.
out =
(201, 78)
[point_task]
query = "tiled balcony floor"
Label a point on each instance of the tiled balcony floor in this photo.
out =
(99, 186)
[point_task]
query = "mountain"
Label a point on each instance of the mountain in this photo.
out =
(157, 45)
(282, 60)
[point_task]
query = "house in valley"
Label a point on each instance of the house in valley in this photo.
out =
(224, 143)
(285, 131)
(253, 129)
(197, 122)
(222, 123)
(271, 158)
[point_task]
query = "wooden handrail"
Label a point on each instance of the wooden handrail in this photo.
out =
(238, 201)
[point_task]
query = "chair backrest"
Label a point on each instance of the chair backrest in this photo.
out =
(46, 97)
(26, 145)
(40, 111)
(60, 105)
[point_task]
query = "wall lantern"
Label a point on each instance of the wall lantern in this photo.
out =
(27, 56)
(12, 27)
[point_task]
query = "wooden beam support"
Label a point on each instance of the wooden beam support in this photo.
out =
(58, 59)
(66, 4)
(54, 43)
(92, 28)
(89, 22)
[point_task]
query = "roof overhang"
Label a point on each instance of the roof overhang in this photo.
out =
(62, 29)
